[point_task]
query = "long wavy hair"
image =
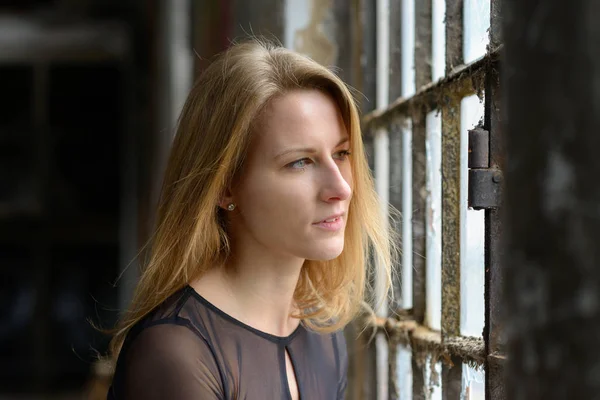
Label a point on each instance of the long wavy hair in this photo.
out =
(208, 152)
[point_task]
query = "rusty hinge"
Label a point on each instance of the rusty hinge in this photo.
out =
(485, 183)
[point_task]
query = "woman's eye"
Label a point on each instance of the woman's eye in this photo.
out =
(299, 164)
(342, 155)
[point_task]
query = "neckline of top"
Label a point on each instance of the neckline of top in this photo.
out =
(224, 315)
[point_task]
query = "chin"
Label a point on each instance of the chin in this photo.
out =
(327, 251)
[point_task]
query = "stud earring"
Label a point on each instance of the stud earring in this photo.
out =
(231, 207)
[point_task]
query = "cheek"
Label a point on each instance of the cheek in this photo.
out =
(269, 198)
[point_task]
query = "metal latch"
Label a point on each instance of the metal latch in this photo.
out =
(485, 184)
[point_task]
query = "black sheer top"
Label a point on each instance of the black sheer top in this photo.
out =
(189, 349)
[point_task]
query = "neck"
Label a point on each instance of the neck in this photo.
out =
(264, 288)
(256, 288)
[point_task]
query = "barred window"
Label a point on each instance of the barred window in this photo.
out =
(434, 136)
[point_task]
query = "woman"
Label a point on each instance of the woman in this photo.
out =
(267, 218)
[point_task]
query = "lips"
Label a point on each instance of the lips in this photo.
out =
(331, 218)
(333, 223)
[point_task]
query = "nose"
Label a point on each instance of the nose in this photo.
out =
(335, 186)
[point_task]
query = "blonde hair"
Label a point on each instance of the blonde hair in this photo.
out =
(208, 151)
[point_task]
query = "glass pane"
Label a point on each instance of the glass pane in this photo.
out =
(472, 241)
(408, 48)
(433, 215)
(473, 383)
(476, 19)
(404, 377)
(407, 252)
(438, 39)
(297, 18)
(433, 382)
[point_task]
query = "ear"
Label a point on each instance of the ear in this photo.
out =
(226, 199)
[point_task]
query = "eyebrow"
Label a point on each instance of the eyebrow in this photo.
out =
(310, 150)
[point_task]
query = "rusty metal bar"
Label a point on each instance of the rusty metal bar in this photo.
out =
(418, 217)
(452, 378)
(395, 89)
(430, 95)
(494, 382)
(395, 199)
(425, 341)
(368, 16)
(356, 29)
(342, 14)
(419, 240)
(418, 378)
(493, 335)
(495, 24)
(451, 228)
(454, 34)
(422, 43)
(393, 392)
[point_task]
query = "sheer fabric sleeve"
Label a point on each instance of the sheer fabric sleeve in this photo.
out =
(171, 361)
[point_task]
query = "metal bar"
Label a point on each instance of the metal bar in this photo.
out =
(368, 56)
(408, 47)
(343, 38)
(551, 274)
(495, 24)
(454, 34)
(495, 384)
(382, 66)
(395, 199)
(357, 45)
(418, 378)
(395, 58)
(425, 341)
(382, 176)
(418, 218)
(393, 392)
(452, 379)
(429, 96)
(494, 339)
(422, 43)
(451, 228)
(493, 335)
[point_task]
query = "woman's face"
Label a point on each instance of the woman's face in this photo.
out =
(294, 191)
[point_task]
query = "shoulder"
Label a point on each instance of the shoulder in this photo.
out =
(167, 360)
(171, 338)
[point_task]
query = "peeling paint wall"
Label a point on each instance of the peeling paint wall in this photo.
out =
(310, 29)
